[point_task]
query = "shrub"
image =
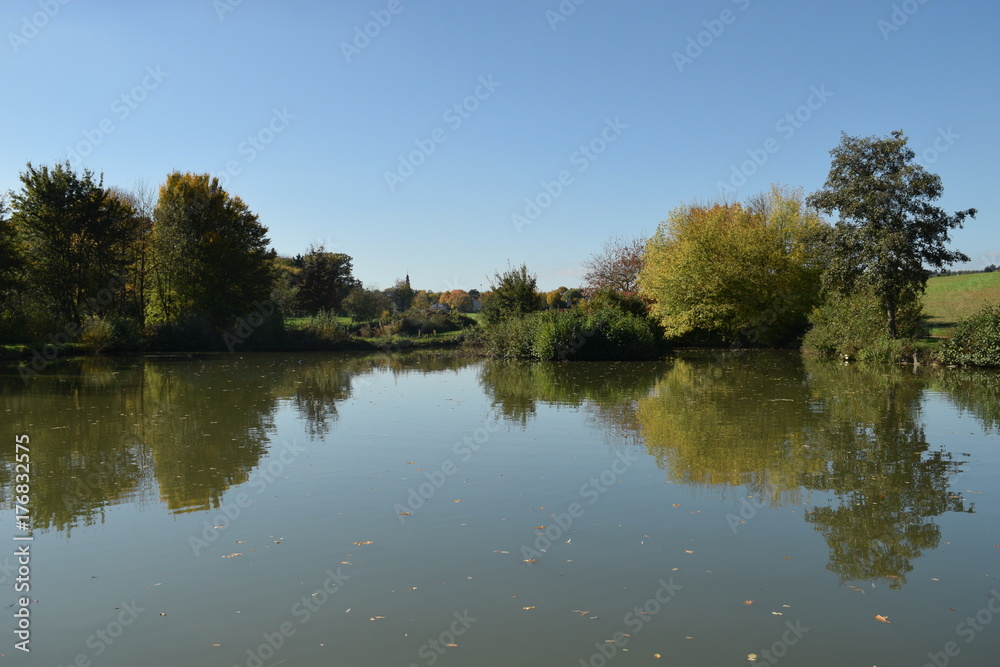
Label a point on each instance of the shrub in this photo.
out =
(97, 335)
(976, 340)
(511, 338)
(325, 327)
(607, 298)
(572, 335)
(849, 325)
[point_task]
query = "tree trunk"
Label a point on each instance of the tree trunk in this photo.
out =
(890, 311)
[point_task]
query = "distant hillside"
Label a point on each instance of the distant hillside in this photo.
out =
(950, 298)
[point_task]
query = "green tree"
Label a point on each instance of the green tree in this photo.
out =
(210, 251)
(10, 255)
(733, 273)
(77, 236)
(888, 229)
(325, 279)
(365, 305)
(514, 293)
(402, 295)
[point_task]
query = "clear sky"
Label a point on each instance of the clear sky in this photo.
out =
(605, 115)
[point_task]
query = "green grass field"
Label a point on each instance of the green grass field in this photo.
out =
(951, 298)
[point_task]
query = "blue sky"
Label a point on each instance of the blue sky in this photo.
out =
(605, 115)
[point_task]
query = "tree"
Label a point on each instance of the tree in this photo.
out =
(457, 299)
(366, 305)
(514, 294)
(733, 274)
(142, 200)
(10, 256)
(402, 295)
(888, 229)
(325, 279)
(572, 296)
(617, 266)
(420, 301)
(75, 235)
(210, 251)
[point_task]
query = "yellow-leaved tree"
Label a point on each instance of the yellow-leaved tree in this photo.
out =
(736, 273)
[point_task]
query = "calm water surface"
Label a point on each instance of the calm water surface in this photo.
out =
(424, 509)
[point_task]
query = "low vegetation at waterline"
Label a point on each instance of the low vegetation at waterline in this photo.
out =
(572, 335)
(976, 340)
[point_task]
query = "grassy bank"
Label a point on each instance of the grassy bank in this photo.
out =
(949, 299)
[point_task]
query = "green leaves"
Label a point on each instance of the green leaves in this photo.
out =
(888, 229)
(735, 274)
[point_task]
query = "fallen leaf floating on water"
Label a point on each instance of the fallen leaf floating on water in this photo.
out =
(366, 542)
(752, 657)
(748, 602)
(232, 555)
(530, 560)
(776, 613)
(880, 617)
(527, 608)
(404, 514)
(452, 645)
(688, 552)
(376, 618)
(456, 501)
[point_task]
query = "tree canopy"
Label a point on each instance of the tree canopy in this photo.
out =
(734, 273)
(325, 280)
(888, 231)
(212, 256)
(514, 293)
(617, 266)
(74, 235)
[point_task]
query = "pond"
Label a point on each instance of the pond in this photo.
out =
(430, 509)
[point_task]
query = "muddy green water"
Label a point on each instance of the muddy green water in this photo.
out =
(424, 509)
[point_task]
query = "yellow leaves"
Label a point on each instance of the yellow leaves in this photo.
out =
(884, 619)
(364, 543)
